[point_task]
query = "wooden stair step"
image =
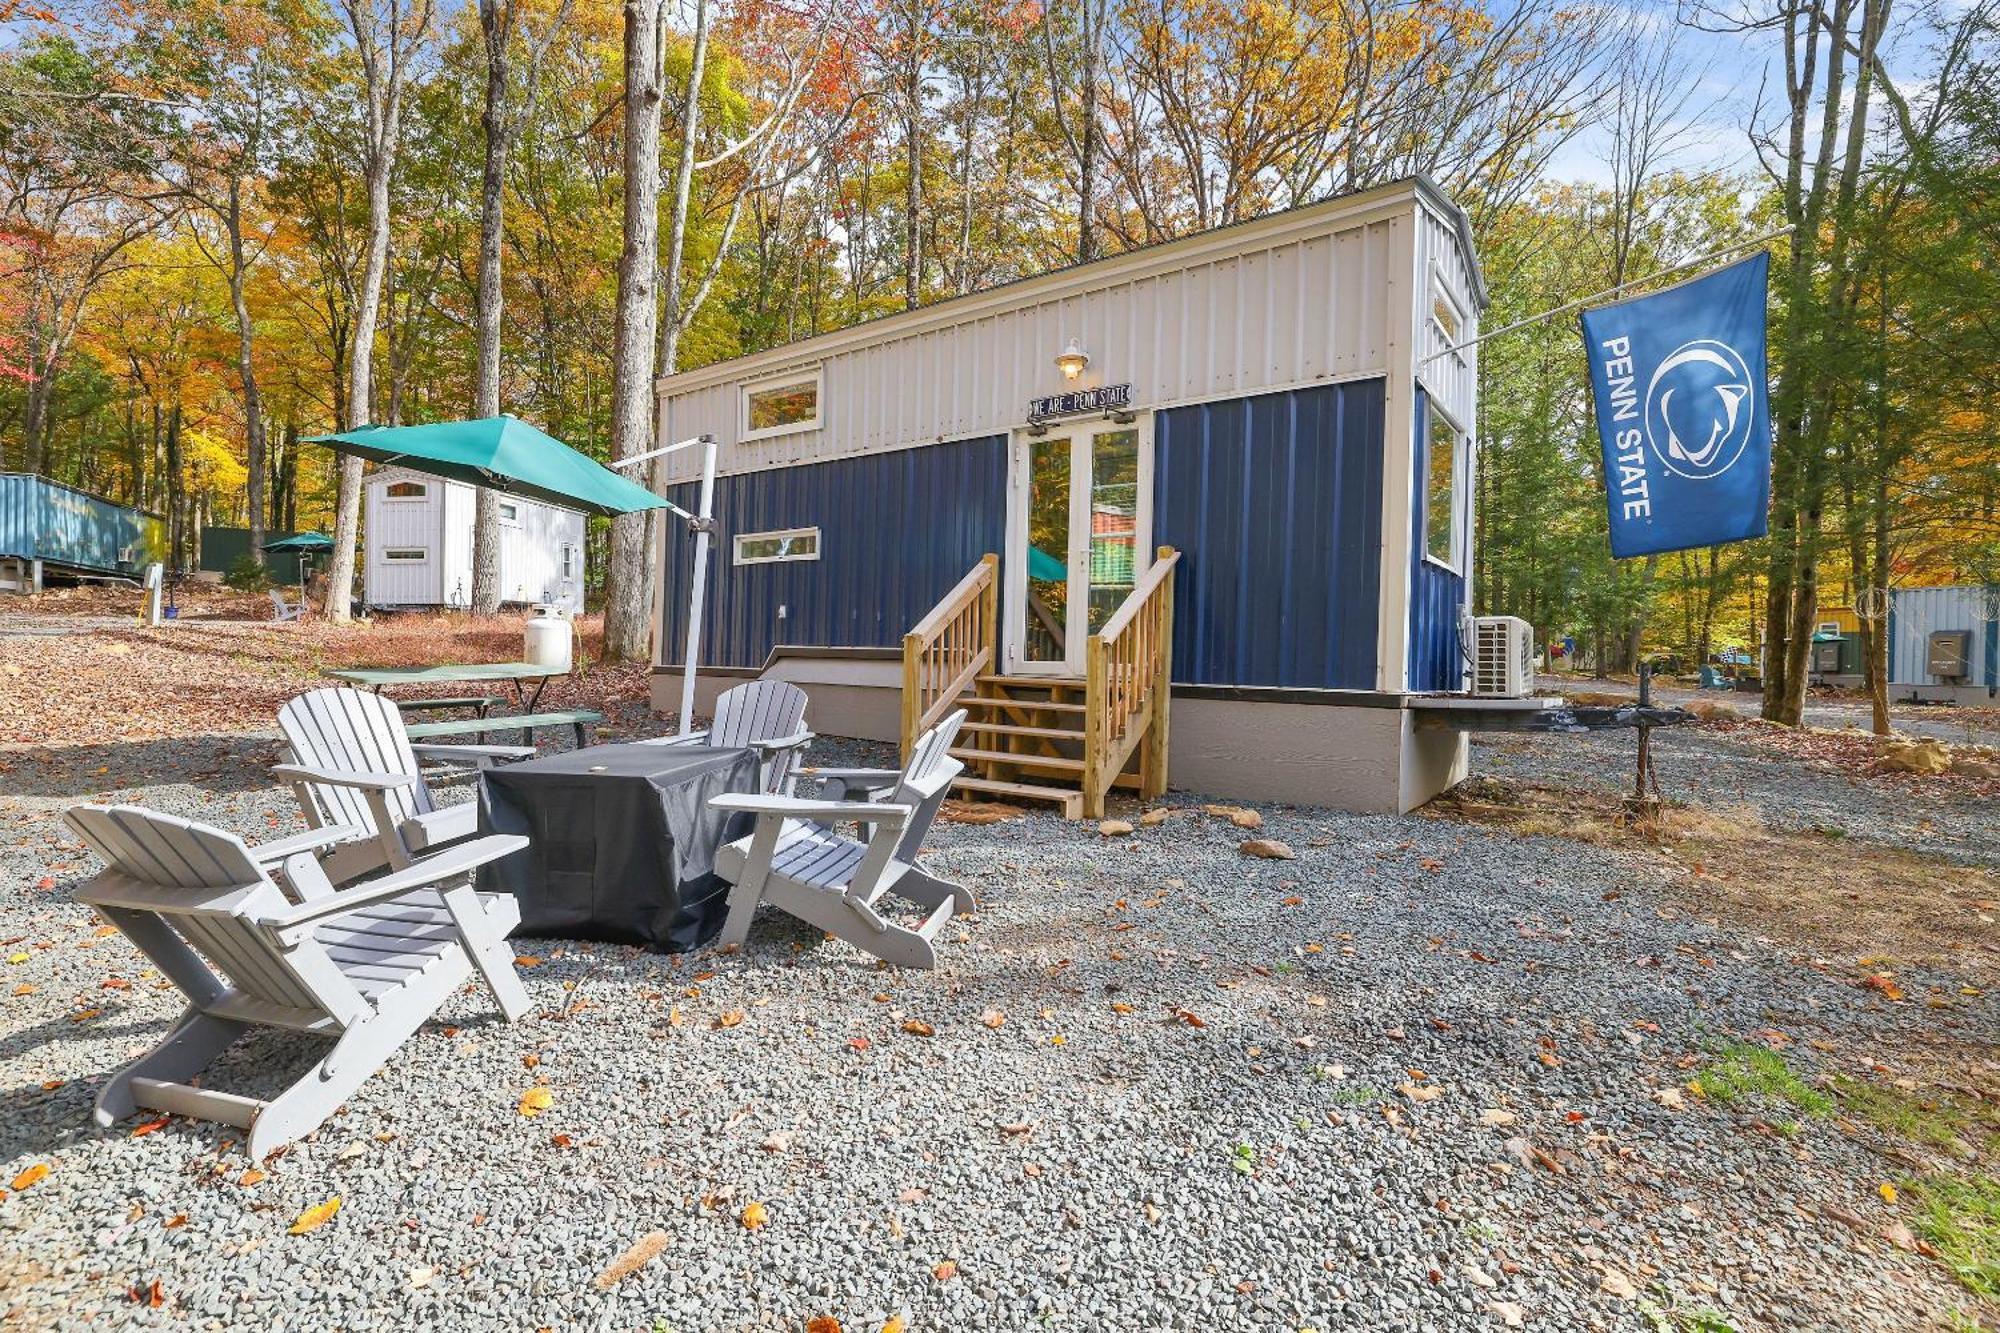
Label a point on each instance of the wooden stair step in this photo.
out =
(1071, 802)
(1017, 729)
(1040, 705)
(1024, 760)
(1053, 684)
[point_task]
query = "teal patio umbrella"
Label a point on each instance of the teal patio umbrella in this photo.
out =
(303, 543)
(1045, 568)
(501, 453)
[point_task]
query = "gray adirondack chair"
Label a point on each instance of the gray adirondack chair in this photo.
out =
(352, 763)
(365, 965)
(797, 861)
(769, 716)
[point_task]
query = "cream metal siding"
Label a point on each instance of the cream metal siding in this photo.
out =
(1296, 299)
(441, 523)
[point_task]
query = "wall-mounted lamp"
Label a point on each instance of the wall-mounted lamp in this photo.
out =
(1072, 361)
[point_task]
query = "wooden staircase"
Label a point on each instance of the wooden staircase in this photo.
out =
(1062, 741)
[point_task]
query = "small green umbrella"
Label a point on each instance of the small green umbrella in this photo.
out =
(503, 453)
(303, 543)
(1045, 568)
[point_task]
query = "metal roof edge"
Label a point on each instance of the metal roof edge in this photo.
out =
(1434, 194)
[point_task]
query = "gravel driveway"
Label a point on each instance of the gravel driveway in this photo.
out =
(1426, 1075)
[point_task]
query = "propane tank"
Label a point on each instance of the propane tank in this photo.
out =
(547, 641)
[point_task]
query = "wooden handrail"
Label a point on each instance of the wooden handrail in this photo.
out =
(1129, 671)
(950, 648)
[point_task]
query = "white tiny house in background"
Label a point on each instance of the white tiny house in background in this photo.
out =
(418, 545)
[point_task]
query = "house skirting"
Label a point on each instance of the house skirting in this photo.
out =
(1352, 750)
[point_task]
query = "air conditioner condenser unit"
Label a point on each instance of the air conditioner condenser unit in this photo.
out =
(1503, 657)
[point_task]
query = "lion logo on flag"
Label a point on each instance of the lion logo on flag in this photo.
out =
(1699, 409)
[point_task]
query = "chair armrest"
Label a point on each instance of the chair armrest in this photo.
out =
(793, 807)
(884, 777)
(476, 755)
(779, 744)
(451, 863)
(270, 853)
(335, 777)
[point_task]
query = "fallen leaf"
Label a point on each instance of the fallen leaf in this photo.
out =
(729, 1019)
(1188, 1017)
(526, 960)
(250, 1177)
(421, 1277)
(1495, 1117)
(893, 1324)
(175, 1222)
(916, 1027)
(316, 1216)
(992, 1018)
(1671, 1099)
(1120, 1007)
(1509, 1313)
(637, 1255)
(141, 1130)
(945, 1271)
(1418, 1093)
(754, 1215)
(25, 988)
(1887, 1191)
(31, 1177)
(535, 1101)
(1617, 1284)
(822, 1323)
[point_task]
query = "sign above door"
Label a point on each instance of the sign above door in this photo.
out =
(1104, 398)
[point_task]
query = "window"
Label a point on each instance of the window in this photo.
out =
(1441, 491)
(764, 548)
(1446, 315)
(779, 407)
(1829, 627)
(510, 512)
(406, 554)
(568, 561)
(407, 490)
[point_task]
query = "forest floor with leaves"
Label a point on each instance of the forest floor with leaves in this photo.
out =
(1503, 1063)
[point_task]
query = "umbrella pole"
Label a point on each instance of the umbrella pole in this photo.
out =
(703, 525)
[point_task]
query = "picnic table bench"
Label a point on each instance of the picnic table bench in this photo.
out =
(526, 723)
(479, 703)
(527, 678)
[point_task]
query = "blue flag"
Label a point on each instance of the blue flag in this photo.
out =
(1684, 412)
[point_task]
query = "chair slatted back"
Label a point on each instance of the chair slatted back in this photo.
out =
(214, 893)
(761, 710)
(926, 780)
(356, 732)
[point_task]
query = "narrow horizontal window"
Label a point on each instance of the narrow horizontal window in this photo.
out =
(407, 490)
(780, 406)
(405, 554)
(763, 548)
(509, 512)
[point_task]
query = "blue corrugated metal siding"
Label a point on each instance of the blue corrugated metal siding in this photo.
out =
(1276, 504)
(1437, 662)
(897, 530)
(45, 520)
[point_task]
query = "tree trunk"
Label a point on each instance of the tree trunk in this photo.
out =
(672, 316)
(246, 372)
(1086, 176)
(35, 428)
(495, 22)
(627, 612)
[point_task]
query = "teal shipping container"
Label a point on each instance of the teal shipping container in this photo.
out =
(69, 529)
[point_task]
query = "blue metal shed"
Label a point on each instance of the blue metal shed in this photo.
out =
(69, 529)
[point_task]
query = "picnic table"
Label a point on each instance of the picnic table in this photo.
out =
(517, 674)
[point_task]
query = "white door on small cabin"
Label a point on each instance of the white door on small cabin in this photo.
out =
(405, 525)
(1079, 535)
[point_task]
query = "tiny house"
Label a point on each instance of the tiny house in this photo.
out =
(418, 545)
(1254, 445)
(1944, 644)
(46, 526)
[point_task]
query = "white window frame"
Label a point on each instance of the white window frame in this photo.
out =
(390, 556)
(568, 560)
(736, 546)
(1461, 453)
(423, 492)
(816, 376)
(1441, 291)
(1828, 627)
(514, 519)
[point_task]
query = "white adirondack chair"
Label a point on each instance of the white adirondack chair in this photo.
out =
(365, 965)
(796, 860)
(282, 610)
(352, 763)
(769, 716)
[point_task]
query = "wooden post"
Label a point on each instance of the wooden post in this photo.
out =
(991, 610)
(913, 702)
(1153, 763)
(1095, 687)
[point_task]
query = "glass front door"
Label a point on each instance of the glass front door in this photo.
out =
(1078, 541)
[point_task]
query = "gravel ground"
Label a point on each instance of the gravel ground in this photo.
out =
(1255, 1144)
